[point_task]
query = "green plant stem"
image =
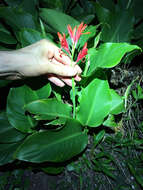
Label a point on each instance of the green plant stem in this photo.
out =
(86, 67)
(73, 87)
(73, 99)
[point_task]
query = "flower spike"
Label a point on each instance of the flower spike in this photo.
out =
(76, 32)
(82, 53)
(64, 43)
(72, 33)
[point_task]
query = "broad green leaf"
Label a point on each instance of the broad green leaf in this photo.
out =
(107, 4)
(16, 100)
(53, 146)
(49, 107)
(59, 121)
(85, 37)
(13, 3)
(138, 4)
(86, 18)
(56, 4)
(3, 29)
(101, 12)
(44, 92)
(118, 27)
(29, 36)
(44, 117)
(6, 38)
(138, 31)
(57, 20)
(26, 5)
(79, 13)
(29, 6)
(8, 134)
(16, 18)
(95, 103)
(117, 104)
(88, 7)
(108, 55)
(6, 152)
(110, 122)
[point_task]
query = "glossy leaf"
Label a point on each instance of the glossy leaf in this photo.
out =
(108, 55)
(13, 3)
(59, 121)
(118, 27)
(56, 4)
(101, 12)
(85, 37)
(17, 18)
(29, 36)
(16, 100)
(110, 122)
(26, 5)
(6, 152)
(3, 29)
(138, 8)
(57, 20)
(79, 13)
(95, 103)
(44, 92)
(53, 146)
(117, 104)
(6, 38)
(8, 134)
(49, 107)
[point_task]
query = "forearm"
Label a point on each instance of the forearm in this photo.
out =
(9, 63)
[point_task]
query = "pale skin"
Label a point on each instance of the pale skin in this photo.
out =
(40, 58)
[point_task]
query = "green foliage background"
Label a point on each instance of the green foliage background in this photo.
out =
(36, 124)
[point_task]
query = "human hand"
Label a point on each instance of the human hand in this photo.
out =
(45, 58)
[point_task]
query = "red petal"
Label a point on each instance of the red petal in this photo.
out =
(60, 36)
(70, 30)
(82, 53)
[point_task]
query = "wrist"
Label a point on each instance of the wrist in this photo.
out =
(8, 65)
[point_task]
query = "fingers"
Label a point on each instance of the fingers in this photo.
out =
(58, 56)
(56, 81)
(77, 78)
(63, 70)
(68, 81)
(61, 81)
(61, 57)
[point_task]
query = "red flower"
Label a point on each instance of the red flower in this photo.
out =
(64, 43)
(76, 32)
(72, 33)
(82, 53)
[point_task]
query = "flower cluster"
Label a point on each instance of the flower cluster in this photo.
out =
(75, 35)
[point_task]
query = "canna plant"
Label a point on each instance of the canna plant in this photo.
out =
(51, 125)
(74, 36)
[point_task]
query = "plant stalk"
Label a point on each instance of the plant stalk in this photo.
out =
(73, 86)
